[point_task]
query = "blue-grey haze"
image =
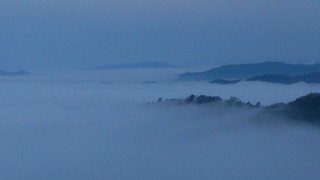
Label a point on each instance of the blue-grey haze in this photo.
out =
(80, 124)
(68, 125)
(82, 34)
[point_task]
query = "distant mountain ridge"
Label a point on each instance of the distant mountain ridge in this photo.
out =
(307, 78)
(223, 81)
(243, 71)
(276, 78)
(140, 65)
(18, 73)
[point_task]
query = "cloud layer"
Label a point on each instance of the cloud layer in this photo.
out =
(64, 127)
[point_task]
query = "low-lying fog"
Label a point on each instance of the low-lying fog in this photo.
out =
(97, 125)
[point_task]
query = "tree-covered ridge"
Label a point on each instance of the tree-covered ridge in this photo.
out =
(203, 99)
(306, 108)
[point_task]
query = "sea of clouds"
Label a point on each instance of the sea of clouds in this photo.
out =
(99, 125)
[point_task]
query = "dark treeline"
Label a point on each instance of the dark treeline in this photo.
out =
(306, 108)
(203, 99)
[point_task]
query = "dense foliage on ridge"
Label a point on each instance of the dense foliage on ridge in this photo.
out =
(306, 108)
(202, 99)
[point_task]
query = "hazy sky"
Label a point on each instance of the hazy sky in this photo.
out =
(78, 34)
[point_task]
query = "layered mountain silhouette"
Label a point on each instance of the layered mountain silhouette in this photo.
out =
(244, 71)
(224, 81)
(18, 73)
(308, 78)
(140, 65)
(282, 79)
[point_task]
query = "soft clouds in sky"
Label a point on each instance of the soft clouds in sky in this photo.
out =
(82, 34)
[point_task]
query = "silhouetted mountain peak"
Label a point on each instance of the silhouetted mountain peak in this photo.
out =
(18, 73)
(139, 65)
(243, 71)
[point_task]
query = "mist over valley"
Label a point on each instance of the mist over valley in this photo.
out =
(69, 125)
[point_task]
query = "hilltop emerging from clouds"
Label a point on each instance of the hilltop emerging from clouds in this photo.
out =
(305, 108)
(18, 73)
(140, 65)
(244, 71)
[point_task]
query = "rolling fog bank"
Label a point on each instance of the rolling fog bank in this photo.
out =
(98, 125)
